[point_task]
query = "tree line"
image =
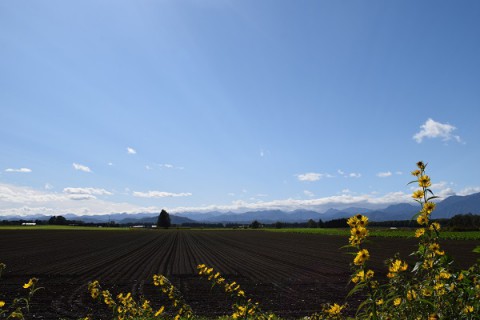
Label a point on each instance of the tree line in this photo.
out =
(460, 222)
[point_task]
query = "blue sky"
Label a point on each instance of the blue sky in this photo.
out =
(134, 106)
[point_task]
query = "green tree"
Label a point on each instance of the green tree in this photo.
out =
(163, 220)
(311, 223)
(58, 220)
(255, 225)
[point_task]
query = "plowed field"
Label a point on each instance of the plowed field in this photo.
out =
(289, 274)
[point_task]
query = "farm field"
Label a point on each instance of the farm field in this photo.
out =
(383, 232)
(290, 274)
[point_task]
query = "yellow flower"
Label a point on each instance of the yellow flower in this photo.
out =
(421, 165)
(360, 276)
(30, 283)
(435, 247)
(411, 295)
(426, 292)
(146, 305)
(420, 232)
(397, 301)
(2, 303)
(159, 312)
(416, 173)
(418, 194)
(427, 264)
(468, 309)
(445, 275)
(433, 316)
(435, 226)
(359, 233)
(361, 257)
(397, 266)
(369, 274)
(460, 277)
(379, 302)
(424, 181)
(422, 219)
(428, 207)
(335, 309)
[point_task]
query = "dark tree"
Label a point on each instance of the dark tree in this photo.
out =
(58, 220)
(163, 220)
(321, 224)
(278, 225)
(255, 225)
(311, 224)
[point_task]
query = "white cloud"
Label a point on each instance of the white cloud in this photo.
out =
(320, 204)
(110, 163)
(399, 173)
(80, 197)
(468, 191)
(384, 174)
(313, 176)
(346, 191)
(19, 200)
(147, 167)
(433, 129)
(48, 186)
(81, 167)
(131, 151)
(90, 191)
(21, 170)
(160, 194)
(349, 175)
(308, 193)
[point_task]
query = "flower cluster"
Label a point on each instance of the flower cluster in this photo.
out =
(358, 229)
(124, 307)
(243, 308)
(17, 308)
(183, 310)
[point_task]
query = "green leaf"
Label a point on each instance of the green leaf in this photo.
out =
(476, 250)
(357, 287)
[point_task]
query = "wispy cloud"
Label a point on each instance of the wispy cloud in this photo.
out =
(433, 129)
(130, 150)
(308, 193)
(349, 175)
(85, 193)
(81, 167)
(384, 174)
(92, 191)
(313, 176)
(21, 170)
(160, 194)
(170, 166)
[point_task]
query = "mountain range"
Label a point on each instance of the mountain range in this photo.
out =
(446, 208)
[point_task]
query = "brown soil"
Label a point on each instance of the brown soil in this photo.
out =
(289, 274)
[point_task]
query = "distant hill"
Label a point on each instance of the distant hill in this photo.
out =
(454, 205)
(446, 208)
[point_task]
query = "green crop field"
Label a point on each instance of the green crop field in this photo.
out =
(382, 232)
